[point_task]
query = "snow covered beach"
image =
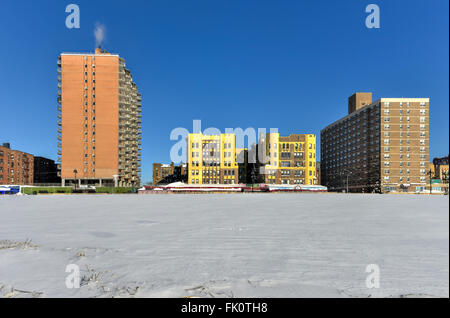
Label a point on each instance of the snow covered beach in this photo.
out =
(229, 245)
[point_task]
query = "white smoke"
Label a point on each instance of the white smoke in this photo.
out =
(100, 34)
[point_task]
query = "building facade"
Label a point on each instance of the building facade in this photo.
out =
(439, 175)
(168, 173)
(99, 118)
(16, 167)
(212, 159)
(45, 171)
(380, 146)
(290, 159)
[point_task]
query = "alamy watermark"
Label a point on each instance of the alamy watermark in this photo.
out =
(373, 19)
(73, 279)
(373, 279)
(256, 148)
(73, 19)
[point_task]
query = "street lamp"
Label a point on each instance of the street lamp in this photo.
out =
(75, 173)
(347, 173)
(430, 173)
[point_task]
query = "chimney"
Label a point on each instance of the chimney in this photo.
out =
(98, 50)
(7, 145)
(358, 100)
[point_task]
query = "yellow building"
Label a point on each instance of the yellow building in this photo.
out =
(212, 159)
(291, 159)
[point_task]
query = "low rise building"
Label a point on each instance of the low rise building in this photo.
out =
(45, 171)
(169, 173)
(16, 167)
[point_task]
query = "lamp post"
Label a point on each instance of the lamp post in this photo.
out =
(347, 173)
(430, 173)
(75, 173)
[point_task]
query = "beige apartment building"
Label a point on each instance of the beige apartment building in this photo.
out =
(380, 146)
(99, 119)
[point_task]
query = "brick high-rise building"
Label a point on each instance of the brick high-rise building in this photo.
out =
(99, 120)
(16, 167)
(380, 146)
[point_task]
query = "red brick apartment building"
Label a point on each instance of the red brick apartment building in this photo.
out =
(16, 167)
(99, 118)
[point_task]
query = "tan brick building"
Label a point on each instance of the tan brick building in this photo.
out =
(380, 146)
(168, 173)
(99, 120)
(16, 167)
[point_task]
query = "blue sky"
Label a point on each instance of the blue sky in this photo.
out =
(230, 63)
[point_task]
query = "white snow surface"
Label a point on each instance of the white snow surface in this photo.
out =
(224, 245)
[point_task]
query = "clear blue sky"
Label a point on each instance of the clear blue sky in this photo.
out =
(231, 63)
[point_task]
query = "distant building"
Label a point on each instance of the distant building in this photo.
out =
(169, 173)
(380, 146)
(318, 174)
(291, 159)
(243, 166)
(16, 167)
(439, 175)
(99, 120)
(45, 171)
(212, 159)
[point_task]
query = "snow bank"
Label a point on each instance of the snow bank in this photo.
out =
(251, 245)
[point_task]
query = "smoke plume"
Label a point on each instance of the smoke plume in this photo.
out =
(100, 34)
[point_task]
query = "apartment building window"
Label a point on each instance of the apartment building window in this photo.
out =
(386, 178)
(422, 119)
(386, 104)
(386, 126)
(386, 141)
(387, 119)
(423, 104)
(423, 179)
(387, 149)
